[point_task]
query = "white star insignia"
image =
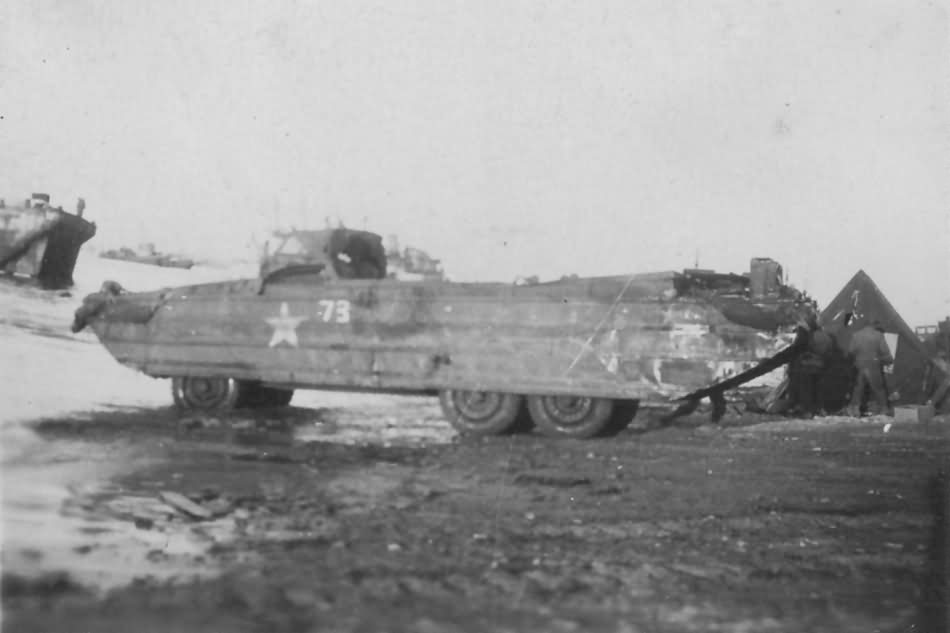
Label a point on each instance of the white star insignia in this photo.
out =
(285, 327)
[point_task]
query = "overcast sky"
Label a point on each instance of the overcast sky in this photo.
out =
(508, 138)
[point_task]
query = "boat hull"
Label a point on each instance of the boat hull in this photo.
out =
(631, 338)
(42, 243)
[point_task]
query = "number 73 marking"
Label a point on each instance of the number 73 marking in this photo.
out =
(338, 311)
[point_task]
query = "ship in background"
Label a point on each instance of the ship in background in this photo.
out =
(147, 254)
(40, 242)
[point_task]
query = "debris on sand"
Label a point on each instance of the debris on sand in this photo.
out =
(186, 505)
(143, 523)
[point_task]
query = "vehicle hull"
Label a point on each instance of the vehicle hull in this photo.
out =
(629, 338)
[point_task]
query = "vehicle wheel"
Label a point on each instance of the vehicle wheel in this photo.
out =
(480, 412)
(571, 416)
(205, 394)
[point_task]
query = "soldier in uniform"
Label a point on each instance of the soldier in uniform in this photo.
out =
(806, 370)
(869, 354)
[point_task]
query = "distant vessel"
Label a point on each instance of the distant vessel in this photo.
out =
(42, 242)
(146, 254)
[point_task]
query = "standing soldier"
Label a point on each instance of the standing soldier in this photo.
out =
(808, 368)
(869, 353)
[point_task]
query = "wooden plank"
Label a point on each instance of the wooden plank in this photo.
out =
(186, 505)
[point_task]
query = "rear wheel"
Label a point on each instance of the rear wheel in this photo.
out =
(480, 412)
(205, 394)
(571, 416)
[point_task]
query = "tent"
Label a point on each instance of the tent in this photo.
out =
(912, 376)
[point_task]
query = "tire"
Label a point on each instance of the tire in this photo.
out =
(198, 393)
(571, 416)
(481, 412)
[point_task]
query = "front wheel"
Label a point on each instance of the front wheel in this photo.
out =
(205, 394)
(571, 416)
(480, 412)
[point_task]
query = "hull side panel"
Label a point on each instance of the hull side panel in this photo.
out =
(609, 338)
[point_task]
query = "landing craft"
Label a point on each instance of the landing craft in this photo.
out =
(40, 242)
(575, 357)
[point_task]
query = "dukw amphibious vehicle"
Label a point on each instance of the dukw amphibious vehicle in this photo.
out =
(573, 356)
